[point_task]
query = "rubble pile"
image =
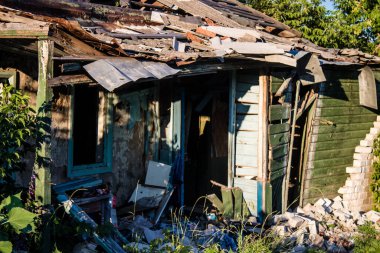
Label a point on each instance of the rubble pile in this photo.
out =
(328, 225)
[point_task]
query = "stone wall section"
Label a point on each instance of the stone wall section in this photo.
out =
(356, 192)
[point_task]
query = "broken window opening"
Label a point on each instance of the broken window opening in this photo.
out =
(89, 144)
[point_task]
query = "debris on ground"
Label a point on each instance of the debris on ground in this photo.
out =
(328, 226)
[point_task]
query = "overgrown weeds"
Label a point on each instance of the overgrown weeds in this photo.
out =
(368, 239)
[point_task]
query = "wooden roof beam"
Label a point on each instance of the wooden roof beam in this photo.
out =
(23, 31)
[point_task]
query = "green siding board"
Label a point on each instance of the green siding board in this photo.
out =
(343, 135)
(326, 145)
(329, 102)
(279, 128)
(333, 161)
(278, 163)
(276, 174)
(349, 119)
(344, 127)
(334, 145)
(279, 135)
(279, 151)
(279, 139)
(345, 110)
(279, 112)
(328, 171)
(329, 154)
(326, 181)
(278, 79)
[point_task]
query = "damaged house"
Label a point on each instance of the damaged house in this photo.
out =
(216, 89)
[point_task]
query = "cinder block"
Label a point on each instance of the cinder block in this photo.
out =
(363, 150)
(376, 124)
(342, 190)
(358, 176)
(359, 156)
(361, 163)
(366, 143)
(353, 170)
(374, 131)
(350, 183)
(370, 137)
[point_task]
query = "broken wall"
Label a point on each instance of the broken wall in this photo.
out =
(130, 141)
(340, 123)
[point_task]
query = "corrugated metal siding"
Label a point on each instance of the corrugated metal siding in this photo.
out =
(279, 135)
(246, 138)
(339, 125)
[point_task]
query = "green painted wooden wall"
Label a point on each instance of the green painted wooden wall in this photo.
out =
(339, 125)
(279, 136)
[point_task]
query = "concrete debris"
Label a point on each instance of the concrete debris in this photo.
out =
(327, 226)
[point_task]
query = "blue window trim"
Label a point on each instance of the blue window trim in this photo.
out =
(97, 168)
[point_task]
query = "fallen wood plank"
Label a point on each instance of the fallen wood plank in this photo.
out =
(197, 8)
(216, 202)
(250, 48)
(289, 61)
(19, 30)
(69, 80)
(232, 32)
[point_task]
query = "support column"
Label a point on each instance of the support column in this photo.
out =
(231, 128)
(262, 152)
(43, 107)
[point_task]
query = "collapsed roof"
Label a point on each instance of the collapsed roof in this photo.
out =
(176, 31)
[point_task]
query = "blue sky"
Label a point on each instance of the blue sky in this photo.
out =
(328, 4)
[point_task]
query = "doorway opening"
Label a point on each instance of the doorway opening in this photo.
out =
(206, 134)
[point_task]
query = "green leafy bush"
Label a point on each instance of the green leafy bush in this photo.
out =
(375, 177)
(17, 121)
(368, 239)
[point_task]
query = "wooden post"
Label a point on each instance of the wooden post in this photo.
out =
(289, 165)
(44, 96)
(231, 128)
(263, 137)
(156, 120)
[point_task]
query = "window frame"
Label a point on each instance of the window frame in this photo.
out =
(95, 168)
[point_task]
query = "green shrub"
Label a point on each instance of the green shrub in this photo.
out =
(368, 239)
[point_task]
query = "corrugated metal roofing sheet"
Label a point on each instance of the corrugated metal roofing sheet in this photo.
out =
(113, 73)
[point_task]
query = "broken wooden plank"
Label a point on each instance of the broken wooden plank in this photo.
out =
(216, 202)
(69, 80)
(228, 203)
(367, 88)
(250, 48)
(232, 32)
(283, 59)
(307, 105)
(197, 8)
(25, 31)
(107, 243)
(283, 86)
(238, 203)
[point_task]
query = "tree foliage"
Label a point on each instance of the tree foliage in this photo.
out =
(353, 23)
(17, 121)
